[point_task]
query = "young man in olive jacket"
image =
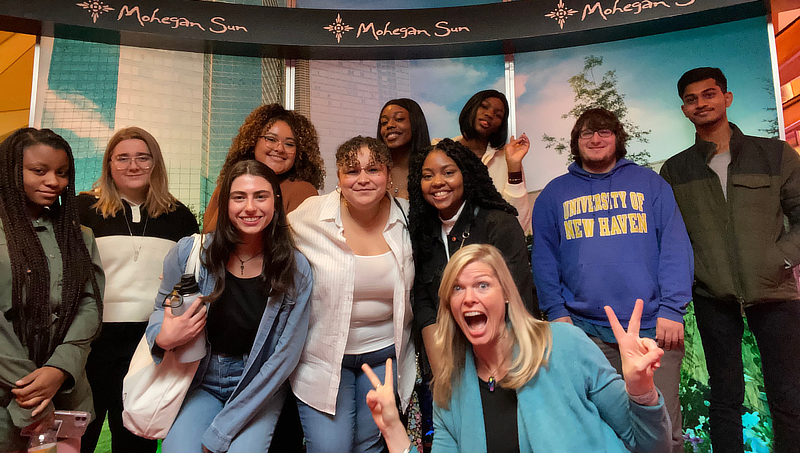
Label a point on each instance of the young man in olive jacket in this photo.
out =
(734, 191)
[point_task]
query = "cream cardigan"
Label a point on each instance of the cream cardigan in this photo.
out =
(319, 235)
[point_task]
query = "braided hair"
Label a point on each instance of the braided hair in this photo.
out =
(31, 312)
(479, 191)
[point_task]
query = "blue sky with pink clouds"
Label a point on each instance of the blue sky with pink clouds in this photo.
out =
(647, 70)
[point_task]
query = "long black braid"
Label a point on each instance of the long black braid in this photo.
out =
(31, 312)
(479, 190)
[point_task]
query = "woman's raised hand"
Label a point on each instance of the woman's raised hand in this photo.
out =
(640, 356)
(515, 150)
(383, 406)
(179, 330)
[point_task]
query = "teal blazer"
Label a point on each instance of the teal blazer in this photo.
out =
(576, 403)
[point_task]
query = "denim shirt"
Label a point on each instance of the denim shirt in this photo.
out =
(273, 357)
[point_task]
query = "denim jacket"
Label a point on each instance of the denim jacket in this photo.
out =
(273, 357)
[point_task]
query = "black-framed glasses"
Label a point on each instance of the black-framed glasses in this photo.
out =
(144, 161)
(603, 133)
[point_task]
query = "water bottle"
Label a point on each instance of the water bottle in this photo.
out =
(186, 292)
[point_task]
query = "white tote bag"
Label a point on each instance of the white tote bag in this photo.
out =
(152, 394)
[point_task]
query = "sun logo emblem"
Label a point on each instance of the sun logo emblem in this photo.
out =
(96, 7)
(338, 28)
(561, 13)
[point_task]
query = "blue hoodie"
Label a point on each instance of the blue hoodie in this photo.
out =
(609, 239)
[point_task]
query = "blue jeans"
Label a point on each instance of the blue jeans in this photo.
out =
(352, 428)
(202, 405)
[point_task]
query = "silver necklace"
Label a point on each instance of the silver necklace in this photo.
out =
(241, 261)
(136, 250)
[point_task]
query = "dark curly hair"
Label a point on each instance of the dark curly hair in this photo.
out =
(347, 152)
(31, 314)
(277, 275)
(479, 191)
(308, 165)
(466, 119)
(597, 119)
(420, 137)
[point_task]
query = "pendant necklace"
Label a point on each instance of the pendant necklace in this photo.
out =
(241, 261)
(492, 382)
(136, 250)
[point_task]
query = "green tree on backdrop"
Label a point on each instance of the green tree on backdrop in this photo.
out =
(588, 94)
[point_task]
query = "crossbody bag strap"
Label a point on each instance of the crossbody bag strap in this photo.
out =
(193, 262)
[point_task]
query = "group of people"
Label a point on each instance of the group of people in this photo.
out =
(324, 313)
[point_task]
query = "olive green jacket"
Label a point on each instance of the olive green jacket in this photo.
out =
(69, 356)
(742, 250)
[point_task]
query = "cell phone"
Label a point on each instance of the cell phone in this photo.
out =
(27, 432)
(72, 424)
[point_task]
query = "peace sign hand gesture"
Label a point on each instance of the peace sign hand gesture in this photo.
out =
(640, 356)
(382, 404)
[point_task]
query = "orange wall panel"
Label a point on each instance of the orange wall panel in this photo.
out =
(16, 78)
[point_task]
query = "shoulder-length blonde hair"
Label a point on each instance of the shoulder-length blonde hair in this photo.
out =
(530, 337)
(159, 200)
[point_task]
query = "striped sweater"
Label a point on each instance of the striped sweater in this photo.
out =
(132, 284)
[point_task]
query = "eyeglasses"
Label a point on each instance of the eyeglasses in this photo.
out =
(273, 143)
(144, 161)
(355, 172)
(603, 133)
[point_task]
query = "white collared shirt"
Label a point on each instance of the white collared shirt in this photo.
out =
(319, 235)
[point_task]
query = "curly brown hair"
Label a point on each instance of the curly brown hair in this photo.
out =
(347, 152)
(308, 165)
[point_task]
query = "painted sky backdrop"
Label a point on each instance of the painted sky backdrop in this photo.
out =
(442, 87)
(647, 71)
